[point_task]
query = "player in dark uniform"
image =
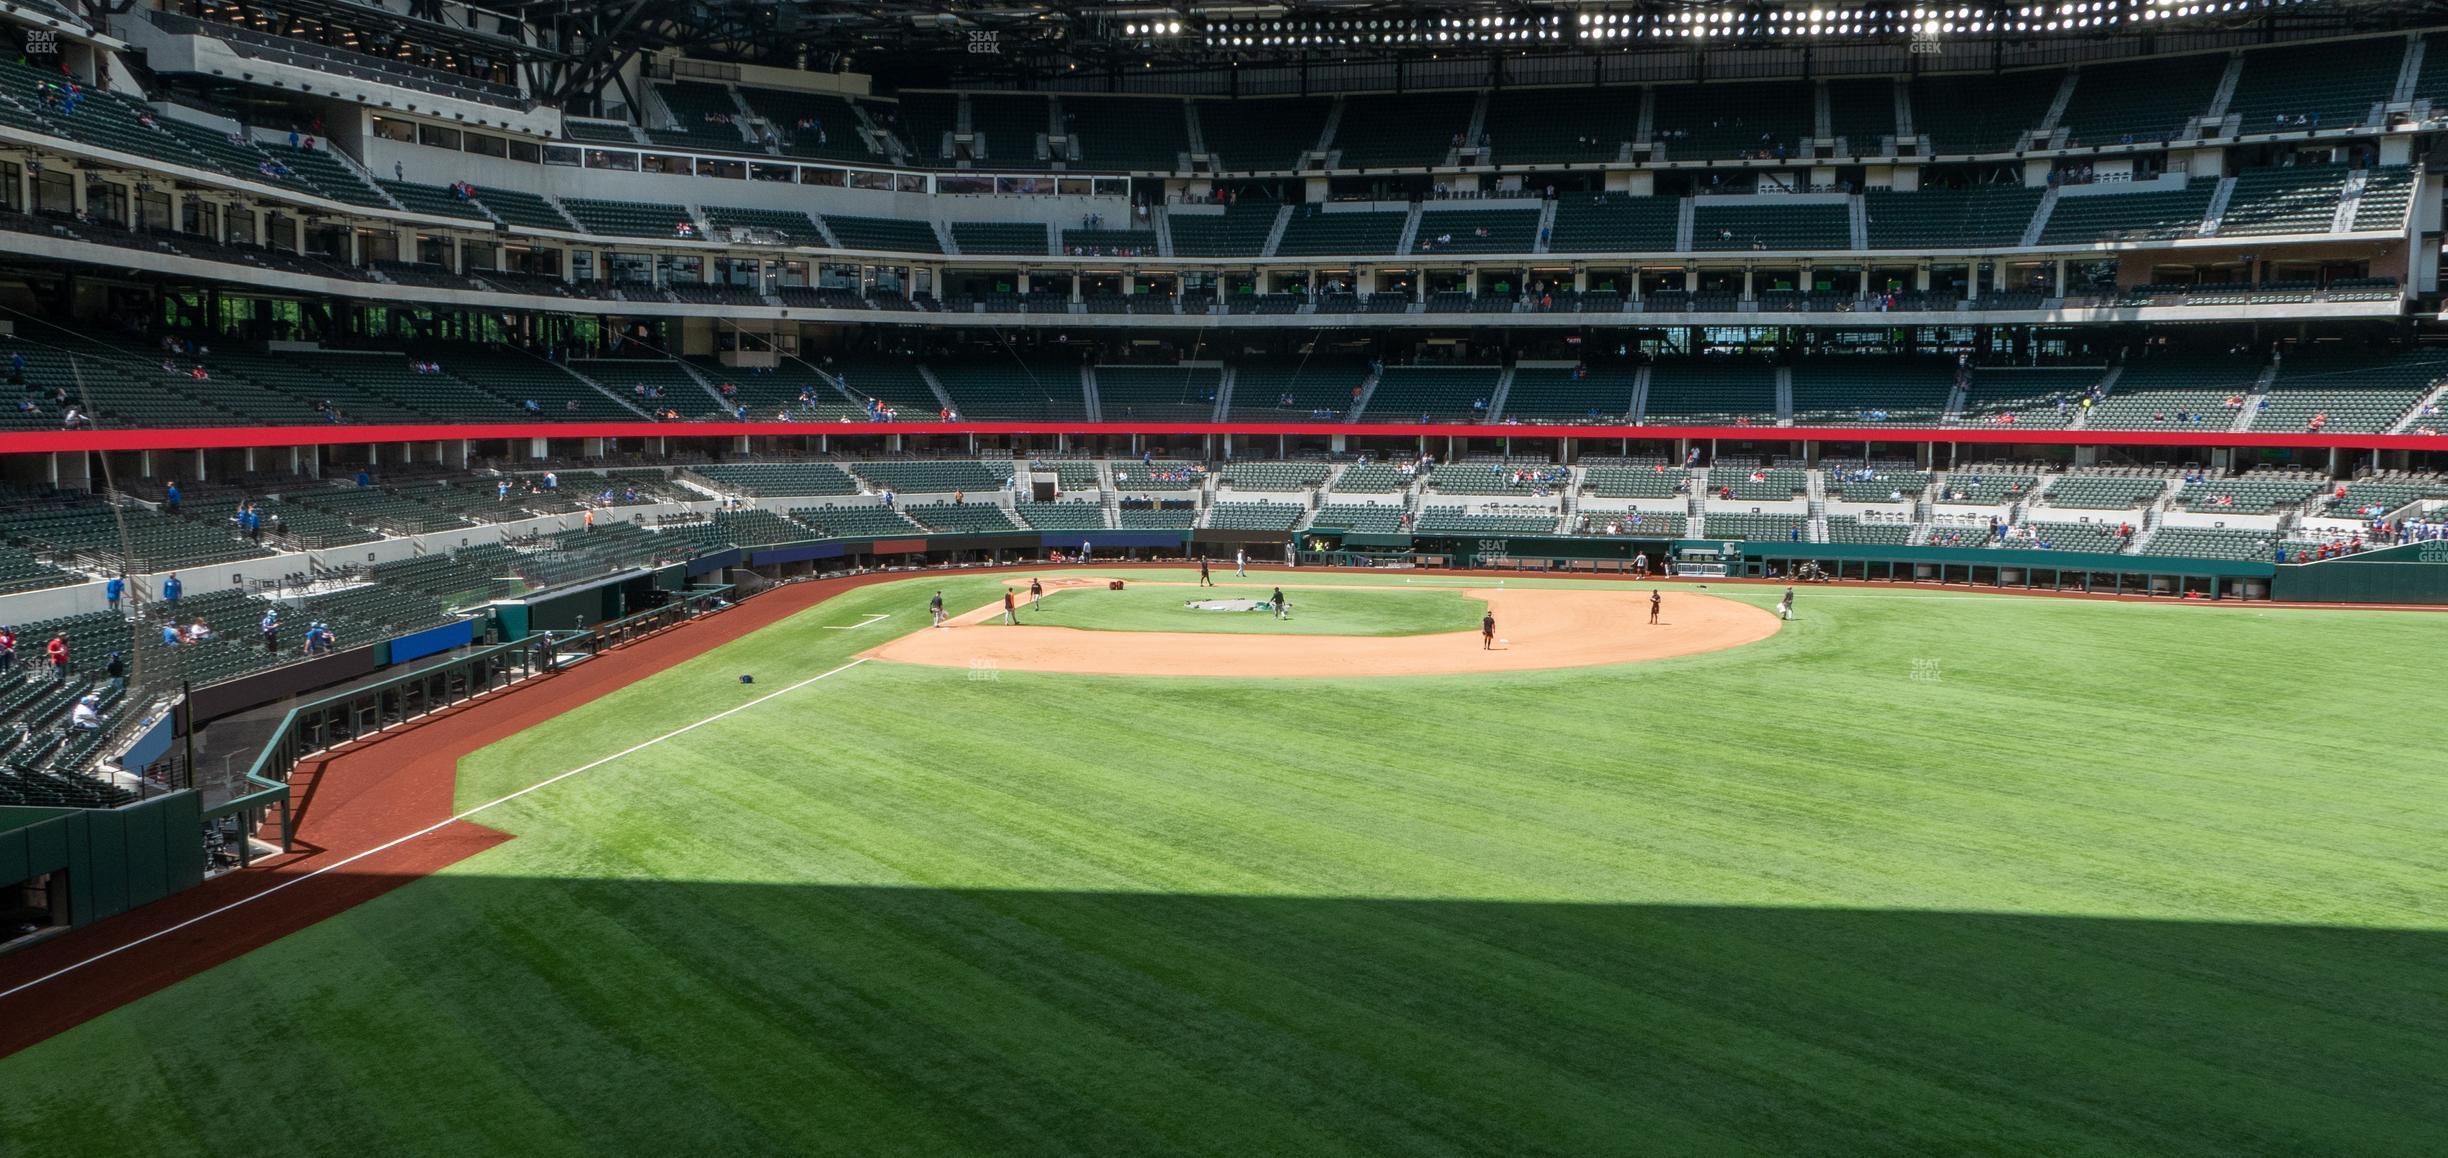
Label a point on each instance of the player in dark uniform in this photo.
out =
(935, 608)
(1656, 603)
(1279, 603)
(1036, 592)
(1205, 579)
(1487, 631)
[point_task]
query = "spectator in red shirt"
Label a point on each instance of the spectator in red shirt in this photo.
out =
(57, 651)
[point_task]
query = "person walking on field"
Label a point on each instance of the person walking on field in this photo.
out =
(1785, 607)
(1278, 601)
(1036, 592)
(1011, 612)
(1657, 602)
(1240, 563)
(1205, 579)
(1487, 631)
(935, 608)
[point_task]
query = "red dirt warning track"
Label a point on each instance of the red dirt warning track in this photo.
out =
(1541, 628)
(348, 801)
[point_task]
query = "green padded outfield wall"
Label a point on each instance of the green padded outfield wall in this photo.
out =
(2409, 573)
(115, 858)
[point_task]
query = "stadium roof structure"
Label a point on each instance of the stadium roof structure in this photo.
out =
(929, 41)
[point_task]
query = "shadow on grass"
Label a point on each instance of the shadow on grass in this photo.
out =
(871, 1020)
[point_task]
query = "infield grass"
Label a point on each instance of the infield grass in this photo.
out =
(1922, 874)
(1316, 610)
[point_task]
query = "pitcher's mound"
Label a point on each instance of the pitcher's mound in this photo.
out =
(1540, 629)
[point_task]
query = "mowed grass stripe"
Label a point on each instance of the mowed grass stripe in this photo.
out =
(2070, 890)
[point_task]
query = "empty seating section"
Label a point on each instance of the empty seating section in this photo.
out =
(1018, 237)
(1010, 128)
(1265, 134)
(926, 122)
(1770, 223)
(2158, 215)
(1981, 113)
(1712, 394)
(1478, 231)
(1434, 393)
(2090, 538)
(1315, 231)
(2297, 199)
(1462, 521)
(1272, 476)
(21, 571)
(812, 124)
(327, 176)
(1563, 394)
(1158, 393)
(960, 517)
(1256, 516)
(2211, 543)
(1762, 527)
(779, 478)
(1371, 478)
(1862, 113)
(1409, 129)
(793, 226)
(88, 534)
(1871, 392)
(628, 218)
(524, 210)
(1724, 121)
(1984, 215)
(887, 234)
(1062, 516)
(1366, 518)
(1757, 484)
(846, 520)
(703, 117)
(1039, 390)
(2250, 495)
(1559, 126)
(923, 477)
(1986, 488)
(1240, 230)
(2092, 492)
(2318, 86)
(1495, 476)
(1848, 529)
(1153, 519)
(1613, 222)
(2387, 193)
(2174, 391)
(2348, 395)
(607, 132)
(1311, 388)
(1653, 480)
(2140, 100)
(557, 394)
(1128, 133)
(385, 511)
(2041, 398)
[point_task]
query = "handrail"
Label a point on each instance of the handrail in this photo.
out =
(472, 675)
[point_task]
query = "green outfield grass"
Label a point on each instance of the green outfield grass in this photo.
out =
(1315, 610)
(1921, 874)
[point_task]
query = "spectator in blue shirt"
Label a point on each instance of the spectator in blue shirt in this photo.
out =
(112, 590)
(172, 589)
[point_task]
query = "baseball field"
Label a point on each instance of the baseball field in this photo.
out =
(1916, 872)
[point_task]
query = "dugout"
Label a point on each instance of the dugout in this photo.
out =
(584, 605)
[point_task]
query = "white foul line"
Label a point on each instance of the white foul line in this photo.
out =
(425, 831)
(863, 622)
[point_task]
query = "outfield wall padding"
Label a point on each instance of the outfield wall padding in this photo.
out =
(115, 858)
